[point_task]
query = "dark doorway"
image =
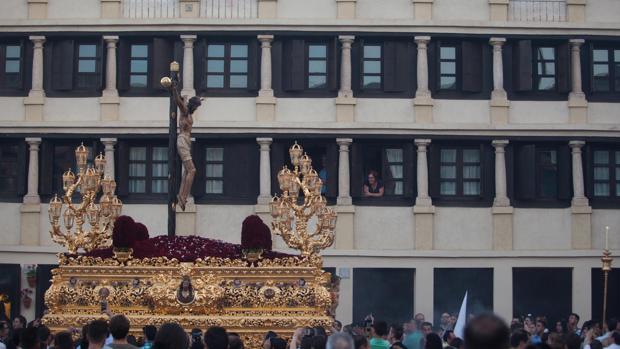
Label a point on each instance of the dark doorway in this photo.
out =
(542, 292)
(387, 293)
(613, 290)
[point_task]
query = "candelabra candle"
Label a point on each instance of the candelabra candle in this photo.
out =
(286, 209)
(607, 237)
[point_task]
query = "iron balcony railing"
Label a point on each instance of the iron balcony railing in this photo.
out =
(537, 10)
(142, 9)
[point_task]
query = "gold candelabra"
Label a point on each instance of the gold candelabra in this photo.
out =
(100, 217)
(606, 259)
(286, 209)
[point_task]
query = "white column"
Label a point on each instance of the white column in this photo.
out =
(345, 66)
(110, 77)
(498, 68)
(265, 170)
(109, 144)
(188, 65)
(32, 197)
(579, 198)
(501, 196)
(37, 67)
(575, 47)
(265, 65)
(423, 198)
(344, 178)
(422, 67)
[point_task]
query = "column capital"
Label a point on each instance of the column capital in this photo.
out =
(576, 144)
(33, 140)
(110, 38)
(188, 38)
(37, 39)
(425, 39)
(108, 141)
(344, 141)
(346, 39)
(500, 143)
(497, 41)
(268, 38)
(264, 140)
(422, 142)
(576, 42)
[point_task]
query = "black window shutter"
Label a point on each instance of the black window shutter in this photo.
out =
(565, 178)
(122, 172)
(395, 66)
(332, 169)
(198, 156)
(162, 56)
(510, 168)
(471, 66)
(357, 169)
(522, 65)
(62, 65)
(123, 63)
(487, 182)
(563, 72)
(238, 169)
(332, 61)
(22, 65)
(294, 61)
(433, 62)
(200, 74)
(47, 167)
(22, 168)
(276, 161)
(101, 55)
(588, 171)
(434, 153)
(251, 168)
(525, 165)
(253, 65)
(409, 174)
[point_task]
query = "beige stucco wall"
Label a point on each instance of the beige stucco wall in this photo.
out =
(222, 222)
(12, 108)
(307, 9)
(13, 9)
(71, 109)
(448, 111)
(536, 112)
(306, 110)
(542, 229)
(604, 113)
(462, 228)
(144, 109)
(9, 216)
(384, 9)
(600, 219)
(384, 110)
(73, 9)
(461, 10)
(219, 109)
(602, 11)
(383, 228)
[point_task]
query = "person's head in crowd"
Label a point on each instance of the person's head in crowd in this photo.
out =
(337, 326)
(119, 328)
(541, 325)
(457, 343)
(97, 333)
(149, 332)
(486, 331)
(573, 341)
(616, 337)
(361, 342)
(448, 335)
(419, 317)
(560, 327)
(433, 341)
(516, 326)
(63, 340)
(29, 338)
(427, 328)
(319, 331)
(131, 339)
(216, 338)
(573, 321)
(395, 334)
(612, 325)
(19, 322)
(556, 341)
(380, 329)
(45, 335)
(235, 341)
(411, 326)
(373, 177)
(445, 319)
(170, 336)
(4, 329)
(83, 342)
(306, 343)
(519, 339)
(596, 344)
(318, 342)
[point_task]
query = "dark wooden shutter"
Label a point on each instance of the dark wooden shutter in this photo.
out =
(434, 164)
(588, 171)
(162, 56)
(22, 64)
(123, 64)
(22, 168)
(276, 161)
(487, 163)
(510, 171)
(122, 171)
(294, 60)
(433, 62)
(63, 58)
(200, 74)
(332, 64)
(47, 167)
(471, 66)
(254, 55)
(101, 62)
(522, 65)
(526, 172)
(409, 167)
(563, 75)
(332, 170)
(565, 178)
(240, 170)
(395, 66)
(357, 169)
(198, 156)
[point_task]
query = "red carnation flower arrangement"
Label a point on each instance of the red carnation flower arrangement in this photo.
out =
(255, 234)
(127, 233)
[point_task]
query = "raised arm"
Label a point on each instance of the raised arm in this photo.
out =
(178, 99)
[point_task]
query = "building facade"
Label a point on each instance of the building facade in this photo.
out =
(493, 126)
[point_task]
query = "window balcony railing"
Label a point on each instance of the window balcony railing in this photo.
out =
(537, 10)
(208, 8)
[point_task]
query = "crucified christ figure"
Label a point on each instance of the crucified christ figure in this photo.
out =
(184, 142)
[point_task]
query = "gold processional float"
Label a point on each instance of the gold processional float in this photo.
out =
(248, 289)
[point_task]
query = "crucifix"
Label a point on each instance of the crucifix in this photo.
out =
(180, 144)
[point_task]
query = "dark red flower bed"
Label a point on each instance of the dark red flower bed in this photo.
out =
(184, 248)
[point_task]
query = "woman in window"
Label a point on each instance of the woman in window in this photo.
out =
(373, 187)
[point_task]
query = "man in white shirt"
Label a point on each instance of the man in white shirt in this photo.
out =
(616, 341)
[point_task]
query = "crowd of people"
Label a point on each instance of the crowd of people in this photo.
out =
(485, 331)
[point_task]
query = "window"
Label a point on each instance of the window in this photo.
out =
(58, 156)
(214, 170)
(88, 74)
(227, 66)
(606, 70)
(447, 68)
(545, 69)
(9, 165)
(395, 164)
(317, 66)
(12, 70)
(148, 170)
(460, 172)
(139, 66)
(547, 177)
(371, 66)
(606, 173)
(543, 175)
